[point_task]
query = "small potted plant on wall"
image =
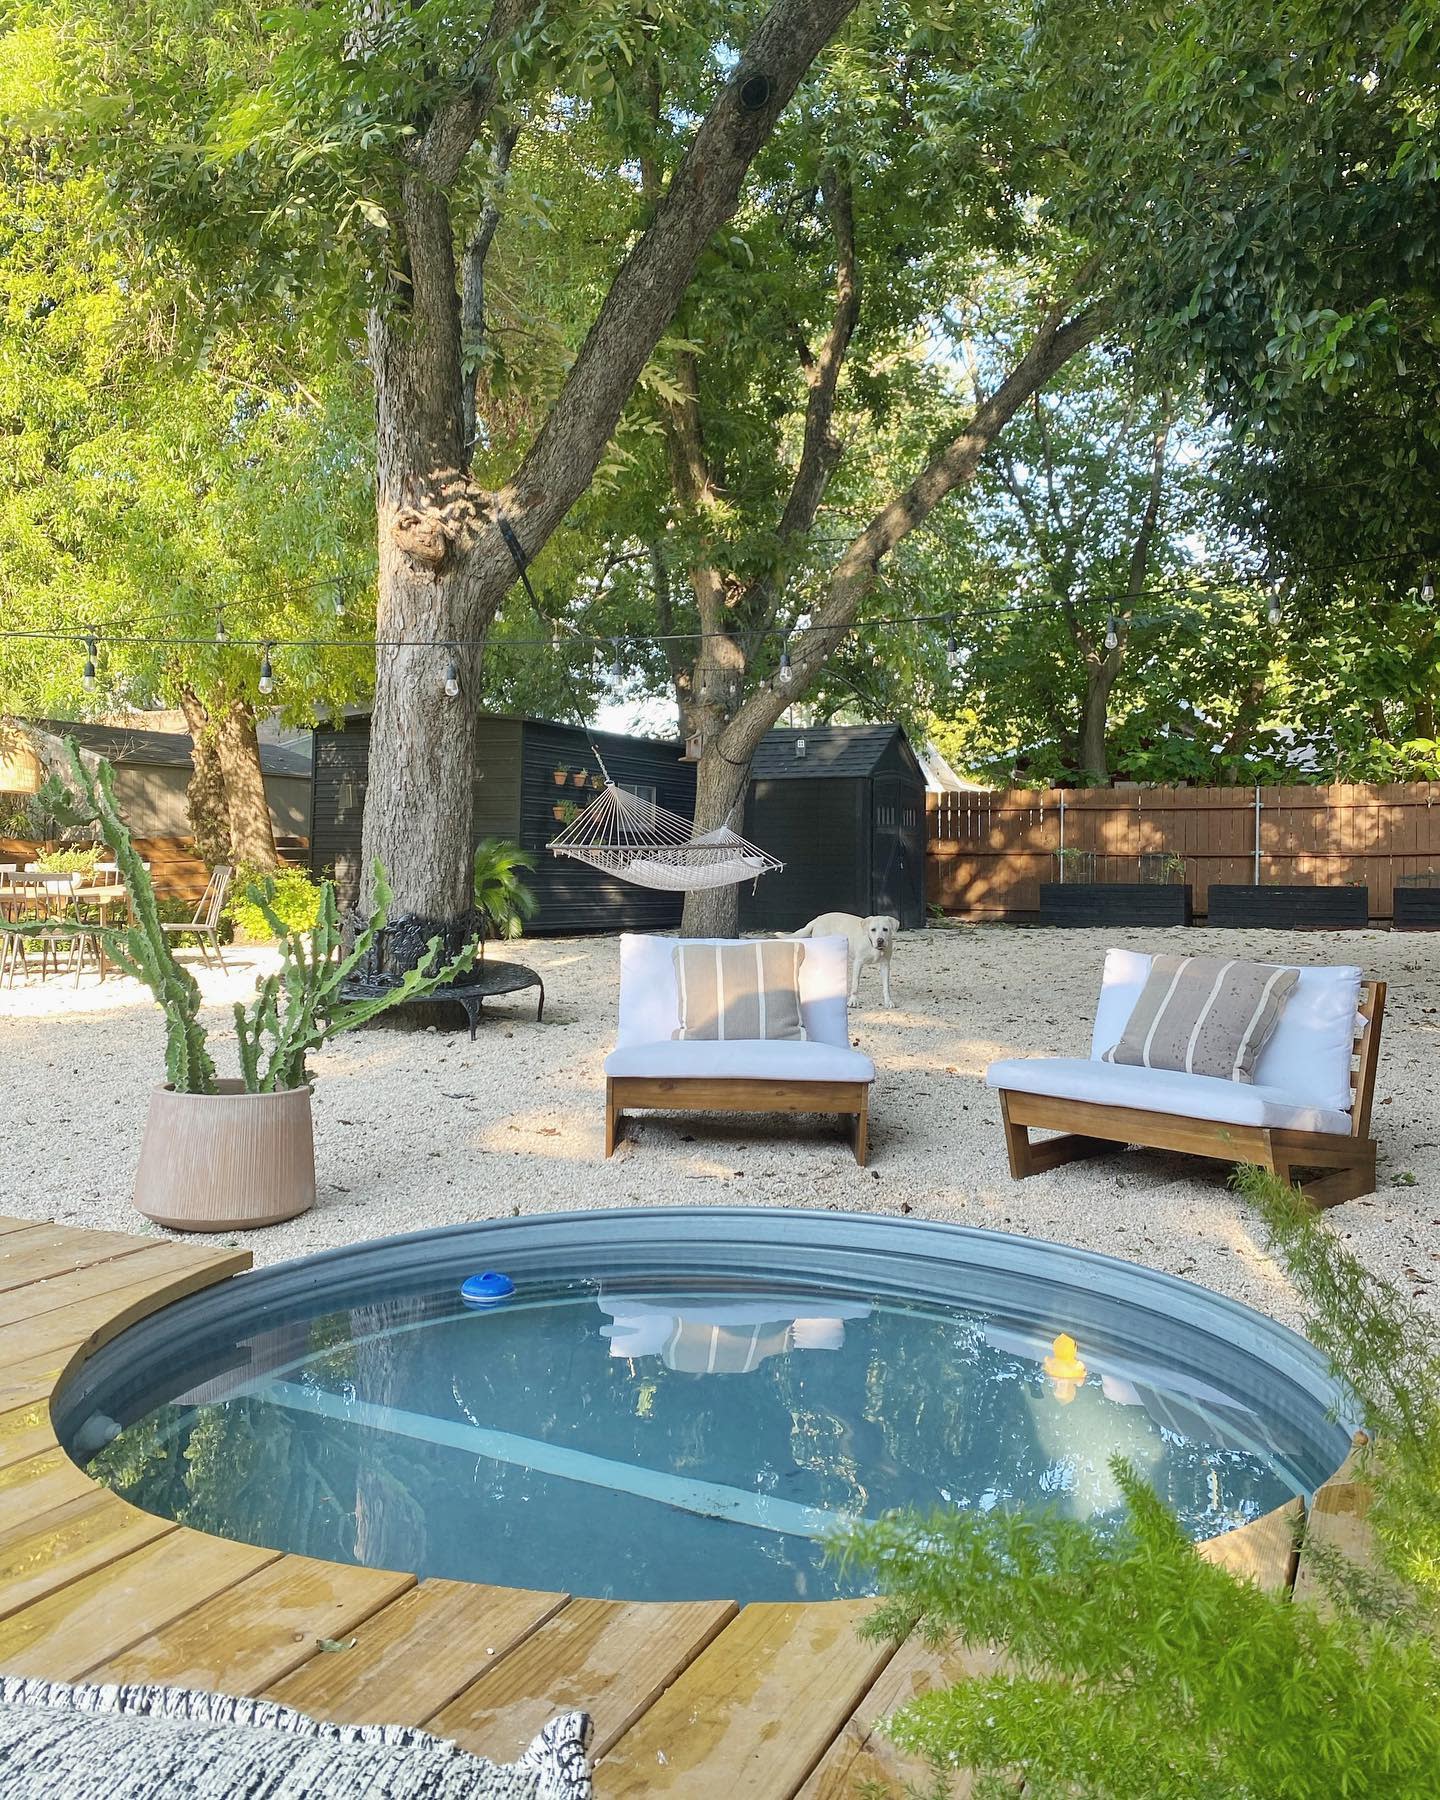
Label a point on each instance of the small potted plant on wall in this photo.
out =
(581, 778)
(565, 812)
(561, 774)
(223, 1153)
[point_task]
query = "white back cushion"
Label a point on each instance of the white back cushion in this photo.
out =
(650, 1000)
(1309, 1054)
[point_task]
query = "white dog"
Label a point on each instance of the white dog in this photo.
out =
(871, 940)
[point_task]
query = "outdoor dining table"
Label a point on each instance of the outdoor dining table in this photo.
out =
(102, 897)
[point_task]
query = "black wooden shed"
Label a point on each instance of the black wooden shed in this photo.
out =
(844, 807)
(516, 797)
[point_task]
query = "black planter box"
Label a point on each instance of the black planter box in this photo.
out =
(1116, 903)
(1291, 908)
(1417, 909)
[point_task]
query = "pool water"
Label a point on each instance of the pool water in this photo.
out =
(645, 1436)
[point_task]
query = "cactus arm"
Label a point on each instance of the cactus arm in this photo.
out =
(141, 949)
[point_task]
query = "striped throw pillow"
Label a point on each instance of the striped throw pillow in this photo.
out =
(749, 990)
(1205, 1015)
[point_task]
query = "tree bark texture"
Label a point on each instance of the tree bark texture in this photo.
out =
(205, 796)
(443, 567)
(724, 770)
(252, 833)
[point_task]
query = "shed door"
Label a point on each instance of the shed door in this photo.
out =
(899, 853)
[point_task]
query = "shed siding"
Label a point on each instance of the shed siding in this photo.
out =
(574, 897)
(340, 771)
(819, 827)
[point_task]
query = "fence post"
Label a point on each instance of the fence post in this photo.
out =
(1061, 858)
(1256, 881)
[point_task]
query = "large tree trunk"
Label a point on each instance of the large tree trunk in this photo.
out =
(444, 567)
(205, 796)
(1100, 677)
(720, 789)
(252, 835)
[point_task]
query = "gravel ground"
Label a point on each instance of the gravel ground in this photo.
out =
(417, 1128)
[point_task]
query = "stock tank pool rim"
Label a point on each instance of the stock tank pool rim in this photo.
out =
(1138, 1311)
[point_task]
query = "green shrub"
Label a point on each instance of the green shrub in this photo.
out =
(1135, 1669)
(502, 896)
(75, 860)
(296, 899)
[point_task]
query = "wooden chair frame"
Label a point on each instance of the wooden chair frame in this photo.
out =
(205, 925)
(701, 1094)
(1344, 1165)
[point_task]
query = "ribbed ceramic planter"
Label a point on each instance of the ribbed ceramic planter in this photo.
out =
(227, 1161)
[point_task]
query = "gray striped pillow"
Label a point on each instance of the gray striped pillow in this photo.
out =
(749, 990)
(1205, 1015)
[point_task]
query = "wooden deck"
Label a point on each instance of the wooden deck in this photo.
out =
(701, 1699)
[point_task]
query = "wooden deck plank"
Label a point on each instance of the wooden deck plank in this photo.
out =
(41, 1252)
(1340, 1522)
(33, 1379)
(70, 1633)
(863, 1759)
(8, 1225)
(609, 1658)
(1262, 1551)
(71, 1540)
(418, 1654)
(98, 1280)
(87, 1324)
(25, 1431)
(255, 1633)
(756, 1712)
(31, 1488)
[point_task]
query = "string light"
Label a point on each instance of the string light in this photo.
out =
(1273, 612)
(87, 680)
(953, 656)
(222, 636)
(785, 673)
(617, 668)
(267, 674)
(1427, 587)
(452, 677)
(1112, 636)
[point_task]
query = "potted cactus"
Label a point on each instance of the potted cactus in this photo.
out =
(225, 1153)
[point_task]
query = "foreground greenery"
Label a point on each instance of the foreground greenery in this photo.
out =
(1135, 1670)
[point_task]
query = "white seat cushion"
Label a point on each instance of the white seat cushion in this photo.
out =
(778, 1059)
(1307, 1058)
(1162, 1090)
(650, 996)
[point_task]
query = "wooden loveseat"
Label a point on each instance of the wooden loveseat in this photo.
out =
(1306, 1116)
(650, 1067)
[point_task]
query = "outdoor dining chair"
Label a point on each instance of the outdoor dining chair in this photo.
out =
(45, 902)
(206, 923)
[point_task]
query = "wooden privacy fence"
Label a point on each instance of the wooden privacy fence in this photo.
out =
(987, 853)
(176, 872)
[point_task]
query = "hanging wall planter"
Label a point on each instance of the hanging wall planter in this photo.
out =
(561, 776)
(1290, 908)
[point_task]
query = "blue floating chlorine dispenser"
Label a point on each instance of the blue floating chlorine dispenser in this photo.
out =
(481, 1292)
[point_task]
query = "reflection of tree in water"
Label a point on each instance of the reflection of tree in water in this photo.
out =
(916, 1410)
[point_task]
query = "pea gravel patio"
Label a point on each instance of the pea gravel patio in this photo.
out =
(416, 1127)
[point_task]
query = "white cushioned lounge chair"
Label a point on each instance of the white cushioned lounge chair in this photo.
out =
(650, 1067)
(1308, 1108)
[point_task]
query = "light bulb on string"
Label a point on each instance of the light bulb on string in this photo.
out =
(1273, 612)
(267, 673)
(222, 636)
(1112, 635)
(1427, 587)
(87, 679)
(953, 658)
(785, 674)
(452, 677)
(617, 669)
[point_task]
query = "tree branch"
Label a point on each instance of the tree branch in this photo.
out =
(472, 281)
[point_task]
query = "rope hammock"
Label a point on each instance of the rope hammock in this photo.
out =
(637, 841)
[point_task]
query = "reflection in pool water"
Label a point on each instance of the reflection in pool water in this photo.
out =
(680, 1439)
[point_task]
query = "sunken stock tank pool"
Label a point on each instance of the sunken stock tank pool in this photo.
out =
(684, 1403)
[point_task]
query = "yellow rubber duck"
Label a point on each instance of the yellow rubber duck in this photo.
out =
(1064, 1367)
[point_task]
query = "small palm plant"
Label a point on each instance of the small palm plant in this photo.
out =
(502, 897)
